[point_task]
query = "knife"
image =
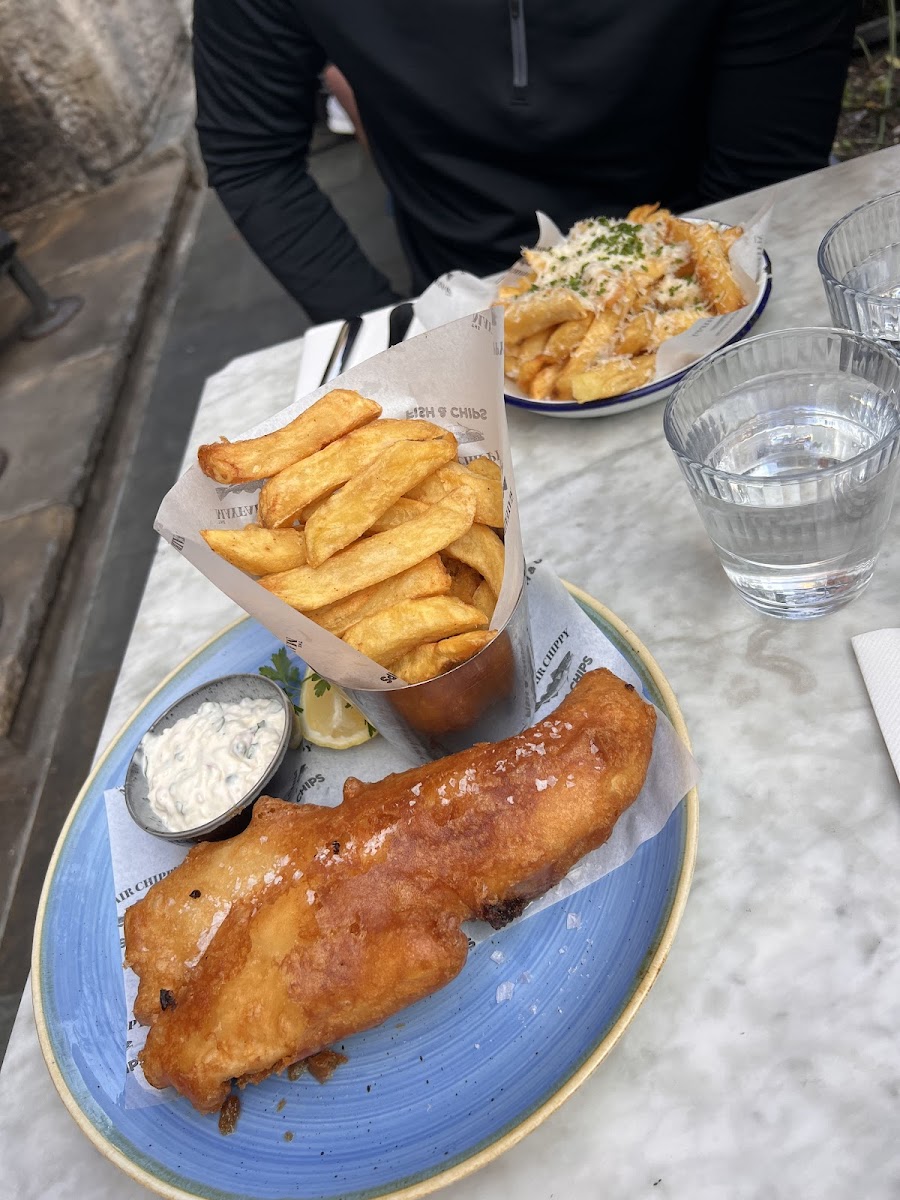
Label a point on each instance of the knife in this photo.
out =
(347, 335)
(398, 322)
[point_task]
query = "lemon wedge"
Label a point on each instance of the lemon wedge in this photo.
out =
(328, 718)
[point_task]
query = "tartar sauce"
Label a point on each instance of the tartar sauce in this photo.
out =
(198, 767)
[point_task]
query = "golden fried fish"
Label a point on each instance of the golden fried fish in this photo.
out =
(318, 923)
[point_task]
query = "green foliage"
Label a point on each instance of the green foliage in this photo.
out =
(286, 674)
(321, 686)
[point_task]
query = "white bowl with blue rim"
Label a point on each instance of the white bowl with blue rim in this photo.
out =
(659, 389)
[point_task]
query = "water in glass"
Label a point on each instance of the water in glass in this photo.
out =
(878, 274)
(795, 534)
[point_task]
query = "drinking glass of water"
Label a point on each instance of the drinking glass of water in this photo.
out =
(789, 443)
(859, 260)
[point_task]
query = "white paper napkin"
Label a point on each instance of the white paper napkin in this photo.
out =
(878, 655)
(319, 341)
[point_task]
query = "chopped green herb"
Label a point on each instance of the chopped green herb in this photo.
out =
(321, 685)
(283, 672)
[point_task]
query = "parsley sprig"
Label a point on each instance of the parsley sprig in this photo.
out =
(286, 674)
(320, 685)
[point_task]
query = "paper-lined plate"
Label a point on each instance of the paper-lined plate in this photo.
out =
(435, 1092)
(459, 292)
(651, 393)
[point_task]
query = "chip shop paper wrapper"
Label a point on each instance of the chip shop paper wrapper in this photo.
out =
(457, 293)
(566, 644)
(453, 377)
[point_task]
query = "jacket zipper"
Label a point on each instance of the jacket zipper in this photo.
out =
(519, 48)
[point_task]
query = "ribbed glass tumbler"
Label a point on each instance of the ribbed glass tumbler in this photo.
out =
(859, 261)
(789, 443)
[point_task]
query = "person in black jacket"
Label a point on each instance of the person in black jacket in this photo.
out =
(478, 112)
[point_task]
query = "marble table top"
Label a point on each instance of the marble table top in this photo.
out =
(766, 1060)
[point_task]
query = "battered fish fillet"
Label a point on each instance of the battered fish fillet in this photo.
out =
(319, 923)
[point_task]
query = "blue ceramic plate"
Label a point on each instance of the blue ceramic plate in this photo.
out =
(434, 1093)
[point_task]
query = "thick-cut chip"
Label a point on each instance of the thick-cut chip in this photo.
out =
(565, 338)
(387, 635)
(533, 345)
(427, 578)
(562, 388)
(485, 466)
(596, 343)
(646, 214)
(528, 369)
(347, 514)
(729, 236)
(541, 386)
(482, 549)
(613, 377)
(531, 356)
(636, 334)
(378, 557)
(256, 550)
(677, 320)
(539, 310)
(488, 492)
(713, 270)
(642, 281)
(510, 365)
(464, 580)
(677, 230)
(599, 338)
(335, 414)
(434, 658)
(432, 490)
(399, 513)
(284, 497)
(485, 599)
(307, 512)
(509, 291)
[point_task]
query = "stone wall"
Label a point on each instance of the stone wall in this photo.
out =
(80, 84)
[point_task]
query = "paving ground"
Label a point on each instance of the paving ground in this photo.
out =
(94, 422)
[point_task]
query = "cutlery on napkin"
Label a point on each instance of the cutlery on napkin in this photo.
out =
(398, 322)
(340, 355)
(878, 655)
(327, 343)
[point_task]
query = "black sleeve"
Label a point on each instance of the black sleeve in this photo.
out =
(778, 72)
(257, 75)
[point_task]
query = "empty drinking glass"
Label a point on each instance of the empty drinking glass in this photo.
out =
(859, 260)
(789, 443)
